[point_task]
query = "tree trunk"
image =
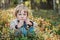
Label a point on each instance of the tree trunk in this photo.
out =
(0, 3)
(32, 4)
(7, 3)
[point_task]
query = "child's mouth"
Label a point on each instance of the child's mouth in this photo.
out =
(22, 19)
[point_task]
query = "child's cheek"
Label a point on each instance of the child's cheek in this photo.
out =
(25, 17)
(18, 17)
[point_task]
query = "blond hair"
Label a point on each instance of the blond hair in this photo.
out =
(19, 8)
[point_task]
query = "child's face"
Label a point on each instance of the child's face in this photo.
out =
(22, 15)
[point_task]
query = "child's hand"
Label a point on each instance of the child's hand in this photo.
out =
(28, 22)
(20, 23)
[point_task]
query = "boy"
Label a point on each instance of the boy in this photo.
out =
(22, 24)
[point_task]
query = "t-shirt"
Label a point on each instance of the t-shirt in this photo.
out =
(23, 30)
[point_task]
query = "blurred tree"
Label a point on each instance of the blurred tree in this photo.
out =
(43, 4)
(35, 4)
(57, 5)
(16, 2)
(49, 4)
(0, 3)
(7, 3)
(32, 4)
(25, 0)
(59, 1)
(4, 3)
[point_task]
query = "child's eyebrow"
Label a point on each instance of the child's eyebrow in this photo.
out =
(20, 11)
(25, 12)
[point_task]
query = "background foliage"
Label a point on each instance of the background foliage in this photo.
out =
(48, 22)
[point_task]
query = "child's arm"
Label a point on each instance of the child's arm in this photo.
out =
(15, 24)
(31, 23)
(12, 25)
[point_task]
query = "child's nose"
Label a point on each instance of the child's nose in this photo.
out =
(22, 16)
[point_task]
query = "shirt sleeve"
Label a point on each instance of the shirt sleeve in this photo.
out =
(35, 24)
(12, 25)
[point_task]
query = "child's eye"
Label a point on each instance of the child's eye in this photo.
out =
(19, 14)
(24, 14)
